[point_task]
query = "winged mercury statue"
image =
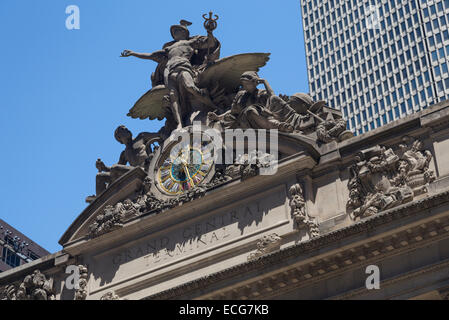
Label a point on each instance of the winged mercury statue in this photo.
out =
(190, 78)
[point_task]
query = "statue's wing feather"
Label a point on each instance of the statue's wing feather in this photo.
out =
(227, 71)
(151, 105)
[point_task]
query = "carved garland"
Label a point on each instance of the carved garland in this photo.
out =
(299, 214)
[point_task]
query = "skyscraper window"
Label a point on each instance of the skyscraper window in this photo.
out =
(365, 60)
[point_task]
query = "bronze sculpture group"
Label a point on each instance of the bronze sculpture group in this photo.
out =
(192, 83)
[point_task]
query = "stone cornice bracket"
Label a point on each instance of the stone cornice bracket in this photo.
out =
(266, 245)
(299, 212)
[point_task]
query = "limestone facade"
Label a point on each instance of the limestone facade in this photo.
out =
(307, 232)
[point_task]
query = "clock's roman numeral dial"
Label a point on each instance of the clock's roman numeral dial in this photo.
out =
(185, 167)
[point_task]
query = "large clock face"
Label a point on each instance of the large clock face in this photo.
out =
(184, 166)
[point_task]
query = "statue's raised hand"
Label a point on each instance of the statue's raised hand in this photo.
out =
(126, 53)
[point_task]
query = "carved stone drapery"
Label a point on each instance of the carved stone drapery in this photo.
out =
(383, 178)
(299, 213)
(266, 245)
(33, 287)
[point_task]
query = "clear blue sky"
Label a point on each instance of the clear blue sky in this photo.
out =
(64, 92)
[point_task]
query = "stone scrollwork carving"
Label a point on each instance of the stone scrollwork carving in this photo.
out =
(382, 178)
(33, 287)
(113, 217)
(266, 245)
(249, 165)
(147, 201)
(109, 220)
(299, 213)
(110, 296)
(221, 176)
(81, 292)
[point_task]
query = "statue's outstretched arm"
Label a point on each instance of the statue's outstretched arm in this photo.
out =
(157, 56)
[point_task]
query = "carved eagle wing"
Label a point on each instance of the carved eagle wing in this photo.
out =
(227, 71)
(151, 105)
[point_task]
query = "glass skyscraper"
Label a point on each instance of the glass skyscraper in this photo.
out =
(377, 61)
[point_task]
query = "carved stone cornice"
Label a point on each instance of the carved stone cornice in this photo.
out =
(356, 258)
(408, 276)
(326, 266)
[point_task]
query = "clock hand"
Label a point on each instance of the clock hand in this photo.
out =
(186, 171)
